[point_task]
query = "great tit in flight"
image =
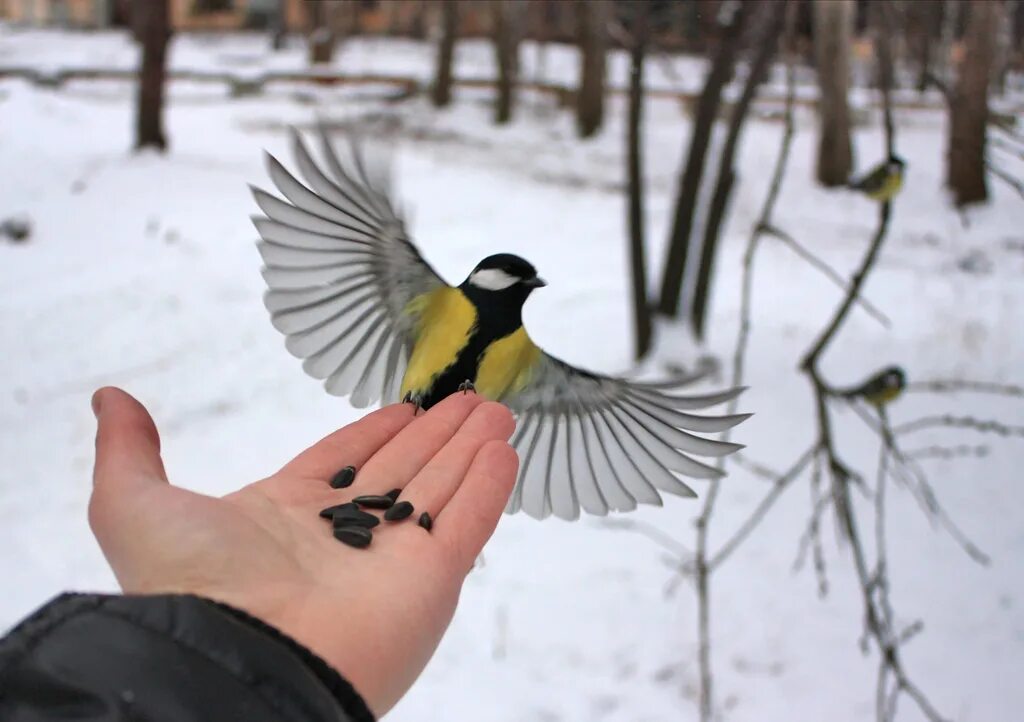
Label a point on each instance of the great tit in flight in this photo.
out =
(883, 181)
(369, 316)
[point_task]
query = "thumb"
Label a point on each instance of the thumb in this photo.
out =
(127, 449)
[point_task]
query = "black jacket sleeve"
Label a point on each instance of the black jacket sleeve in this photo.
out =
(167, 658)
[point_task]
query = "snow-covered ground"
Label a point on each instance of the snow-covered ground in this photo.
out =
(142, 272)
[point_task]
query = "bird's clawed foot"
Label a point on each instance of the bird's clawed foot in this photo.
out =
(416, 400)
(466, 386)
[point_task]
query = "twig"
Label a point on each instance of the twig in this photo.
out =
(1005, 128)
(984, 426)
(853, 291)
(1005, 146)
(948, 452)
(885, 701)
(829, 272)
(916, 480)
(1014, 183)
(953, 385)
(811, 538)
(754, 467)
(781, 483)
(931, 498)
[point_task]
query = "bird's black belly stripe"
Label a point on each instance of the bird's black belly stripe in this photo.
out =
(497, 317)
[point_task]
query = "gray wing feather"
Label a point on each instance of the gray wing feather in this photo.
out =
(340, 271)
(597, 444)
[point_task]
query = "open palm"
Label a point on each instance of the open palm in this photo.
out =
(375, 614)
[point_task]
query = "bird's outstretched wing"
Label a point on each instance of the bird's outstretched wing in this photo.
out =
(341, 271)
(607, 444)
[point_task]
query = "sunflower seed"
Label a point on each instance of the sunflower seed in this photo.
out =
(330, 511)
(374, 502)
(344, 478)
(425, 521)
(354, 517)
(354, 536)
(398, 512)
(393, 494)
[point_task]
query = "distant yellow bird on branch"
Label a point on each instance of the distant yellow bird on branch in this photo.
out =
(883, 181)
(881, 389)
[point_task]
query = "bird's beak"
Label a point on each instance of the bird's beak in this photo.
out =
(535, 282)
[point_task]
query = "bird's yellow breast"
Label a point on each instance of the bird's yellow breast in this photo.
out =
(889, 187)
(883, 396)
(506, 365)
(446, 321)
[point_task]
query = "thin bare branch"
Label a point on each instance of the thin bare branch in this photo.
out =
(952, 385)
(754, 467)
(916, 480)
(948, 452)
(811, 538)
(984, 426)
(1015, 183)
(911, 631)
(1006, 146)
(829, 272)
(781, 483)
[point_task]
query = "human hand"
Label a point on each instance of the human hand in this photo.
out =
(377, 614)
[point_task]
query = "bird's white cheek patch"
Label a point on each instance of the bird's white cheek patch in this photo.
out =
(492, 279)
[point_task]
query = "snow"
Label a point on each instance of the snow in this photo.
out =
(142, 272)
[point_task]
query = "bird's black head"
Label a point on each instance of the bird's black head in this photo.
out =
(896, 163)
(506, 274)
(894, 378)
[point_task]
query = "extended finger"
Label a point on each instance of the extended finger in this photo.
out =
(351, 445)
(401, 459)
(127, 460)
(469, 518)
(127, 443)
(435, 484)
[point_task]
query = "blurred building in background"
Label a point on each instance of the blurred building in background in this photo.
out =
(185, 14)
(681, 23)
(400, 17)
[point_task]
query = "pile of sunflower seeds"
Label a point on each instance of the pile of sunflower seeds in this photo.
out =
(352, 525)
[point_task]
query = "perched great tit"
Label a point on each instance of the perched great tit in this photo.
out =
(883, 181)
(882, 388)
(357, 301)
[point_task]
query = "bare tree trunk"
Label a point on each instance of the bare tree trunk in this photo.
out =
(969, 109)
(927, 18)
(506, 46)
(1017, 34)
(767, 44)
(322, 31)
(641, 304)
(882, 16)
(151, 25)
(279, 27)
(833, 30)
(1003, 47)
(952, 32)
(441, 93)
(418, 23)
(689, 184)
(592, 21)
(543, 22)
